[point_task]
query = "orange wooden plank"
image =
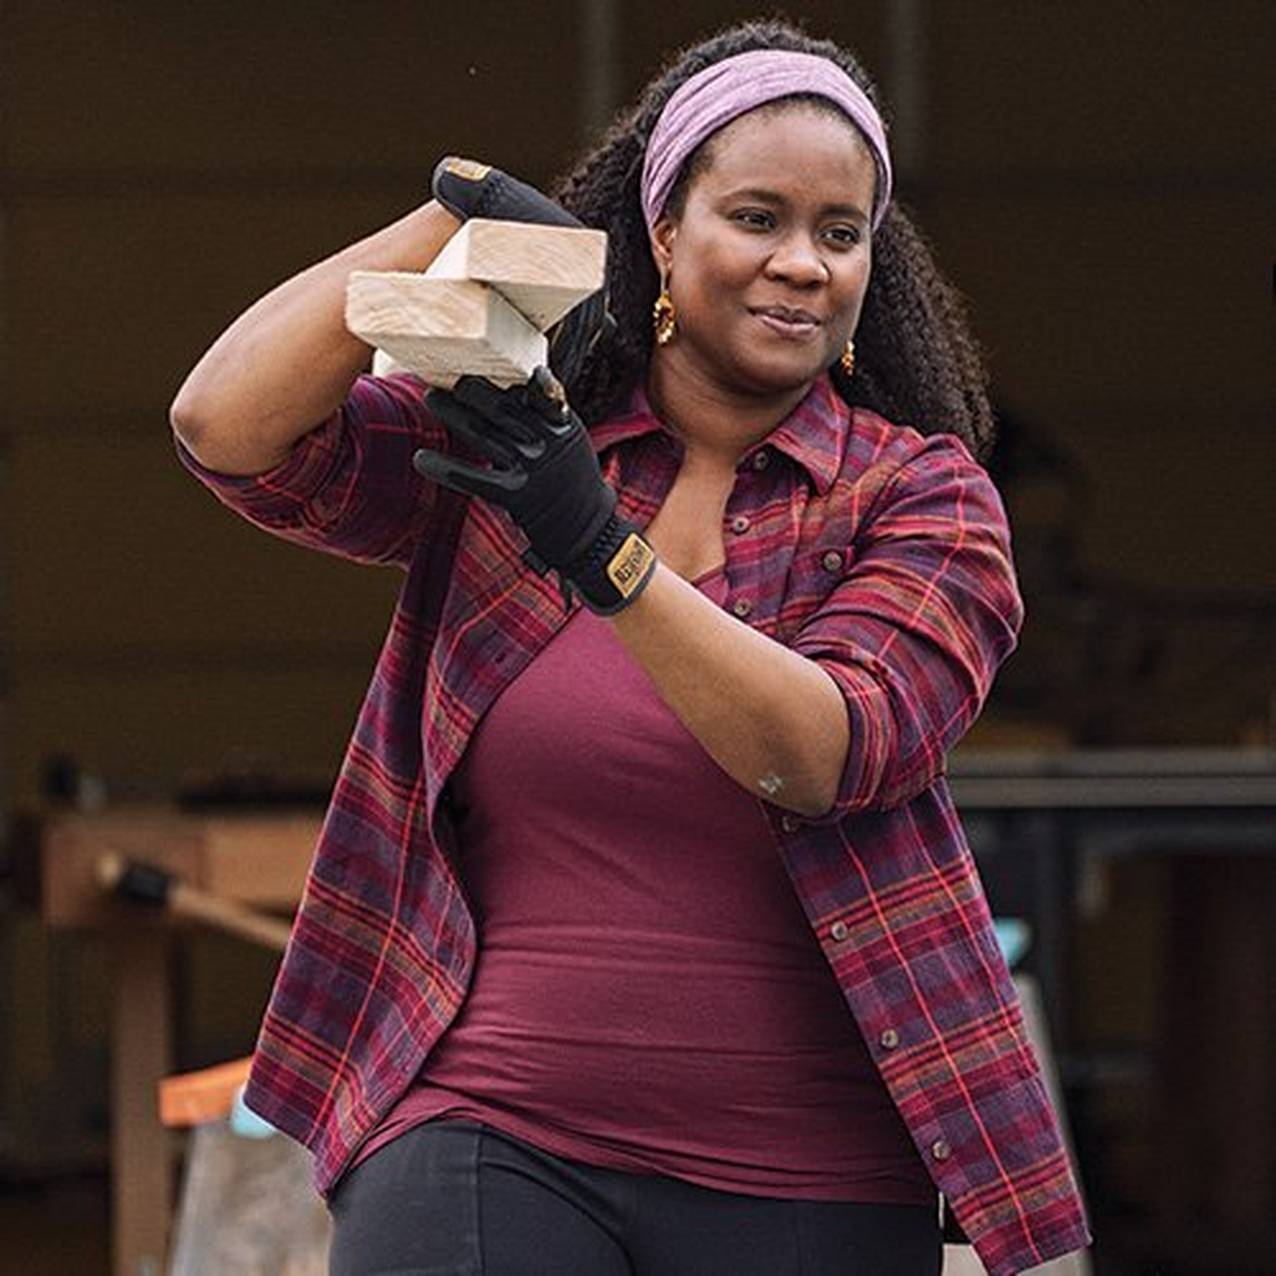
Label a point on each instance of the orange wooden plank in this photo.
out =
(192, 1098)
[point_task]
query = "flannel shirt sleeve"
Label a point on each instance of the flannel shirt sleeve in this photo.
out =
(348, 486)
(915, 630)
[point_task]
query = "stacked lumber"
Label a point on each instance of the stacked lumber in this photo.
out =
(483, 306)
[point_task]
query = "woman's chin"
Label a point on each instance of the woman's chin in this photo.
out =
(767, 375)
(778, 376)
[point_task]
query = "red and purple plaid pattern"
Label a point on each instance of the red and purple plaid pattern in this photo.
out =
(881, 554)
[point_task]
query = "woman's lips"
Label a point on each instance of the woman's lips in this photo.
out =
(793, 324)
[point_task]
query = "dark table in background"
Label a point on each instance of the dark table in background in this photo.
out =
(1044, 826)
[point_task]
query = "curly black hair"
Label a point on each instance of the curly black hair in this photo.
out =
(916, 362)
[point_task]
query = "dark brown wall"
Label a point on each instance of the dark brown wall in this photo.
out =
(1100, 182)
(1096, 177)
(163, 166)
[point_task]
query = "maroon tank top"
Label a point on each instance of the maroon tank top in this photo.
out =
(648, 993)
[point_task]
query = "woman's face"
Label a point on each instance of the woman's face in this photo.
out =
(768, 262)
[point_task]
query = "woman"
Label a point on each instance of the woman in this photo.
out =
(642, 935)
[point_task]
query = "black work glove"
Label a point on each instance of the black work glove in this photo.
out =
(468, 189)
(545, 474)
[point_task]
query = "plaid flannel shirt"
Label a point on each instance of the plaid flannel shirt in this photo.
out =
(881, 554)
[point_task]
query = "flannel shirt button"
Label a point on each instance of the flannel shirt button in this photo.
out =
(940, 1150)
(739, 524)
(789, 823)
(839, 931)
(742, 607)
(761, 460)
(889, 1039)
(832, 561)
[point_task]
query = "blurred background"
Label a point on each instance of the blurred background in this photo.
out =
(1096, 178)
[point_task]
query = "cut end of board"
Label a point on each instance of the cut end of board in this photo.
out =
(443, 329)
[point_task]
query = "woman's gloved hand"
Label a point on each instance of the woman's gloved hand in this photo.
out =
(468, 189)
(545, 473)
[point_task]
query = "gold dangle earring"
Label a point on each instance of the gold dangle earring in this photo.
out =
(848, 357)
(664, 318)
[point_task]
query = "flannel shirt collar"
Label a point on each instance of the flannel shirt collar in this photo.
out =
(813, 434)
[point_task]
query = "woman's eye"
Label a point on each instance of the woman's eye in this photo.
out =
(843, 235)
(754, 217)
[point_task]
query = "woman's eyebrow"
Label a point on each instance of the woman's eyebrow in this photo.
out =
(758, 193)
(845, 210)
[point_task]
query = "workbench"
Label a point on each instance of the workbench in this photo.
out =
(256, 860)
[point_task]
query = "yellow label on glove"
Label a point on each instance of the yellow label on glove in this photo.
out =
(470, 170)
(630, 564)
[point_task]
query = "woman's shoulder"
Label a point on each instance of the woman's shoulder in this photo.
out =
(874, 439)
(882, 452)
(886, 463)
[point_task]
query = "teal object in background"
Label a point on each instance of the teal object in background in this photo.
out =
(245, 1122)
(1015, 937)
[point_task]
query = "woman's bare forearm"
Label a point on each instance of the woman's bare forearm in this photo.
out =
(288, 361)
(772, 719)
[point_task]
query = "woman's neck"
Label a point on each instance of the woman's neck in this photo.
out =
(716, 425)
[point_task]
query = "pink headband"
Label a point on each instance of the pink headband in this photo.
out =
(712, 98)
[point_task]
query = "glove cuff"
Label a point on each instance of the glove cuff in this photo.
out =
(615, 571)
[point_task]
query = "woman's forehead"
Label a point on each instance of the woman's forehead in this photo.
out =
(786, 143)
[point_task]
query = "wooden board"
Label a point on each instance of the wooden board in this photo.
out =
(260, 860)
(255, 859)
(483, 305)
(442, 329)
(192, 1098)
(383, 364)
(141, 1053)
(542, 271)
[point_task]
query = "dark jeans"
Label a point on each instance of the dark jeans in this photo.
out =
(456, 1198)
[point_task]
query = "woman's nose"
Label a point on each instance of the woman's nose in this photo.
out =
(797, 258)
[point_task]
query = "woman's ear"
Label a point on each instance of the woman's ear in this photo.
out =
(662, 237)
